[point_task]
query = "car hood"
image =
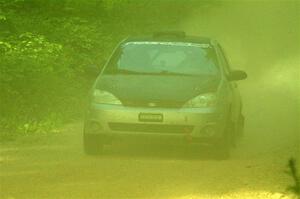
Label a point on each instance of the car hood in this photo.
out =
(156, 91)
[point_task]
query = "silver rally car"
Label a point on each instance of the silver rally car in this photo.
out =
(169, 87)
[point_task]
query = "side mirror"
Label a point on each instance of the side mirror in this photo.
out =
(92, 71)
(237, 75)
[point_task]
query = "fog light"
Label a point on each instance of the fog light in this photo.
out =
(93, 127)
(208, 131)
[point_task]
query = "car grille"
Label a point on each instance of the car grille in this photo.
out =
(151, 128)
(159, 104)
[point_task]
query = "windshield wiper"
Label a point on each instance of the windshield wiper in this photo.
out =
(174, 73)
(167, 73)
(123, 71)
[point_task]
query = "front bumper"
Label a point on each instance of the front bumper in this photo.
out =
(184, 124)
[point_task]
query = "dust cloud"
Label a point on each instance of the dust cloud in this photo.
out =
(262, 38)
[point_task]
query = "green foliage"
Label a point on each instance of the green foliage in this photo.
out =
(46, 46)
(32, 4)
(2, 17)
(29, 53)
(35, 81)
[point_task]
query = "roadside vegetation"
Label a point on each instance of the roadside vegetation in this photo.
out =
(293, 172)
(47, 47)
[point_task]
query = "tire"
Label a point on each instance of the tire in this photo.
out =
(92, 144)
(224, 145)
(240, 126)
(222, 149)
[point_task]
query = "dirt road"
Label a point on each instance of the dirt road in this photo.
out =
(55, 166)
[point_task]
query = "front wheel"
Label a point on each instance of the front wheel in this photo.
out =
(240, 125)
(222, 149)
(92, 144)
(224, 145)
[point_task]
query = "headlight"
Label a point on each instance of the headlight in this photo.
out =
(104, 97)
(201, 101)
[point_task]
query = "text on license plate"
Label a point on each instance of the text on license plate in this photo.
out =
(151, 117)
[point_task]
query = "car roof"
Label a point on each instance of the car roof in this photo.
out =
(169, 37)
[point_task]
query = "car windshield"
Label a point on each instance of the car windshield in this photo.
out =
(164, 58)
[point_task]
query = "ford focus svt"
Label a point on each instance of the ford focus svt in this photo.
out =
(170, 87)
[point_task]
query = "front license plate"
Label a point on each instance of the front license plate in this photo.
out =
(151, 117)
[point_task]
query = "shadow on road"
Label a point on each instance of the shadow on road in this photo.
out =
(160, 151)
